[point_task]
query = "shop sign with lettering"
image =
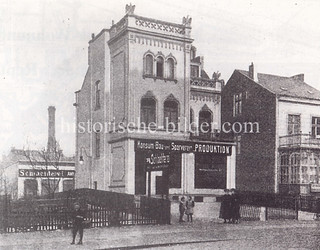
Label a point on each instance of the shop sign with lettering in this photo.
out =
(157, 161)
(46, 173)
(183, 147)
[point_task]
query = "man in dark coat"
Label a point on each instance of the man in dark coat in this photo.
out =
(78, 217)
(235, 206)
(225, 209)
(182, 209)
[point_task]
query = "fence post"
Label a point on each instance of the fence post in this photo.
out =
(263, 213)
(296, 208)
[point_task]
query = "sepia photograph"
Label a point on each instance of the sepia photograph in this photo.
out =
(159, 124)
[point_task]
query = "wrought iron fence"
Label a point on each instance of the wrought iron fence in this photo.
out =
(250, 213)
(278, 206)
(102, 209)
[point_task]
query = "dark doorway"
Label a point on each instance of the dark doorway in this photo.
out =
(140, 173)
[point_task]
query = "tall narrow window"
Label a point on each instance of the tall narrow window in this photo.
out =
(205, 120)
(284, 170)
(294, 124)
(316, 126)
(148, 111)
(194, 71)
(193, 126)
(97, 90)
(295, 168)
(159, 66)
(149, 65)
(171, 114)
(170, 64)
(97, 144)
(237, 104)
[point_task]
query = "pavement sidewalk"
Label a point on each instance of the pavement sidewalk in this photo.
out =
(148, 236)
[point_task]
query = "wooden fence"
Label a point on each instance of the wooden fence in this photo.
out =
(102, 209)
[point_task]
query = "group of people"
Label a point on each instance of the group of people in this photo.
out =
(230, 207)
(229, 212)
(186, 207)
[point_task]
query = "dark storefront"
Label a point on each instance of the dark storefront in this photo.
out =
(166, 156)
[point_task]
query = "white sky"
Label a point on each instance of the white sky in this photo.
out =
(43, 51)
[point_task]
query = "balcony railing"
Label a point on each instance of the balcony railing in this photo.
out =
(202, 82)
(299, 140)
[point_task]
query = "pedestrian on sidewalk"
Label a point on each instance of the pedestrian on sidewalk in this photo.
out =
(78, 218)
(182, 208)
(235, 206)
(189, 210)
(225, 208)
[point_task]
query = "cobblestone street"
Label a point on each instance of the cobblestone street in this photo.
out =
(198, 235)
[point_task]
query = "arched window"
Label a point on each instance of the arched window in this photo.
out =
(170, 64)
(205, 120)
(159, 66)
(149, 65)
(148, 111)
(171, 114)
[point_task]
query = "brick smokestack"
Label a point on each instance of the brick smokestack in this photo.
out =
(51, 128)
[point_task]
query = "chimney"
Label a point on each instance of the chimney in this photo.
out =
(51, 128)
(251, 70)
(252, 74)
(201, 62)
(299, 77)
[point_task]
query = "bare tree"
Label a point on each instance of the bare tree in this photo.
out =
(46, 159)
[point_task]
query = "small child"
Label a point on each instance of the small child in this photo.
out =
(190, 206)
(182, 209)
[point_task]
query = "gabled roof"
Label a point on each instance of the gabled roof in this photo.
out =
(286, 86)
(203, 74)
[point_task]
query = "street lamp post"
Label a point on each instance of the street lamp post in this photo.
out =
(81, 162)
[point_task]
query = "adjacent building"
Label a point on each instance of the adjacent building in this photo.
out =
(276, 125)
(144, 94)
(30, 173)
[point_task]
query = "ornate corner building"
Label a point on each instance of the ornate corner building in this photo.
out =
(138, 113)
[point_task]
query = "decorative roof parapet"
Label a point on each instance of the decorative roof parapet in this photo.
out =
(197, 81)
(149, 24)
(160, 25)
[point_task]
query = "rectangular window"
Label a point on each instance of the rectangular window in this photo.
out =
(315, 126)
(284, 170)
(210, 171)
(237, 104)
(49, 186)
(30, 187)
(68, 185)
(97, 91)
(295, 168)
(294, 124)
(194, 71)
(98, 144)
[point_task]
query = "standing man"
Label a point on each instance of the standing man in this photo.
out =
(225, 209)
(182, 209)
(78, 218)
(235, 207)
